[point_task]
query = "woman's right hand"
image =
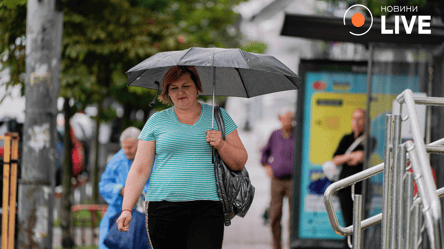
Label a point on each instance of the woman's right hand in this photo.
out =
(123, 221)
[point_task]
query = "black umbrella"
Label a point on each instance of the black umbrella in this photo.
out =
(223, 72)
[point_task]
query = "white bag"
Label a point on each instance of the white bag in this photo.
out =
(331, 171)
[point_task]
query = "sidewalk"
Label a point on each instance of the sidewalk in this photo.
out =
(244, 233)
(249, 232)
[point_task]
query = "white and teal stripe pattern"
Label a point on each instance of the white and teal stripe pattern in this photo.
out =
(183, 171)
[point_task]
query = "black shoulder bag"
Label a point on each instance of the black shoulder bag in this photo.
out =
(233, 187)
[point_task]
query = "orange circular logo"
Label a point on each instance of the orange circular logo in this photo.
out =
(358, 20)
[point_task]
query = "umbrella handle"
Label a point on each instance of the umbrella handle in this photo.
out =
(212, 152)
(214, 82)
(157, 93)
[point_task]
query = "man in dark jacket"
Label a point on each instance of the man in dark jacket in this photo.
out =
(352, 162)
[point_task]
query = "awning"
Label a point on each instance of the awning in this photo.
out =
(333, 29)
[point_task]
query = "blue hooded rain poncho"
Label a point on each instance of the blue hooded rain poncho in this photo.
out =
(111, 182)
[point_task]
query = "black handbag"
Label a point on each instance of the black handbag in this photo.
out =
(233, 187)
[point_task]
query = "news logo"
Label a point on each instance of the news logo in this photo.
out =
(422, 22)
(358, 19)
(400, 23)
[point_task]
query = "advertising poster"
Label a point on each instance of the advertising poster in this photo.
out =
(330, 99)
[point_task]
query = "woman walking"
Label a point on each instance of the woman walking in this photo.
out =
(183, 208)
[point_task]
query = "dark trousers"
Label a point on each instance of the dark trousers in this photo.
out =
(193, 224)
(346, 202)
(279, 189)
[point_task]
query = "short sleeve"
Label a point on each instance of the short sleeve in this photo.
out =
(148, 132)
(230, 126)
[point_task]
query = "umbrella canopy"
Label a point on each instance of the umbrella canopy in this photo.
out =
(236, 73)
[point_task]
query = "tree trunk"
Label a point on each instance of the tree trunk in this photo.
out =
(95, 176)
(126, 116)
(36, 190)
(67, 238)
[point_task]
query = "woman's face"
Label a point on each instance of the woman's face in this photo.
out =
(183, 92)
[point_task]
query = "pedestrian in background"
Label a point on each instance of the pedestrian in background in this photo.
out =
(183, 208)
(113, 179)
(278, 160)
(352, 162)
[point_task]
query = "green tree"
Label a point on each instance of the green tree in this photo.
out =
(196, 23)
(103, 39)
(12, 43)
(99, 46)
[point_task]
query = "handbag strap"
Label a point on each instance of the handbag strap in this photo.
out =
(355, 144)
(219, 121)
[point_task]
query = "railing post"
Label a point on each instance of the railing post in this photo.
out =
(416, 227)
(357, 217)
(408, 209)
(400, 198)
(394, 182)
(386, 184)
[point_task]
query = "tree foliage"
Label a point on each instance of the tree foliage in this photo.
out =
(12, 4)
(12, 42)
(103, 39)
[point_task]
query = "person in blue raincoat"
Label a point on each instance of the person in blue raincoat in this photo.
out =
(112, 182)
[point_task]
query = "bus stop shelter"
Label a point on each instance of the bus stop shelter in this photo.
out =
(395, 62)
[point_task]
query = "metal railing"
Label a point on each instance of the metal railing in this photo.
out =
(401, 217)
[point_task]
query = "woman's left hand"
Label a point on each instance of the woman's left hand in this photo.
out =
(215, 139)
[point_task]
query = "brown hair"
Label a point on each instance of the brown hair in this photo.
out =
(173, 74)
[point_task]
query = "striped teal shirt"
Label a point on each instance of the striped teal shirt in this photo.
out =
(184, 171)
